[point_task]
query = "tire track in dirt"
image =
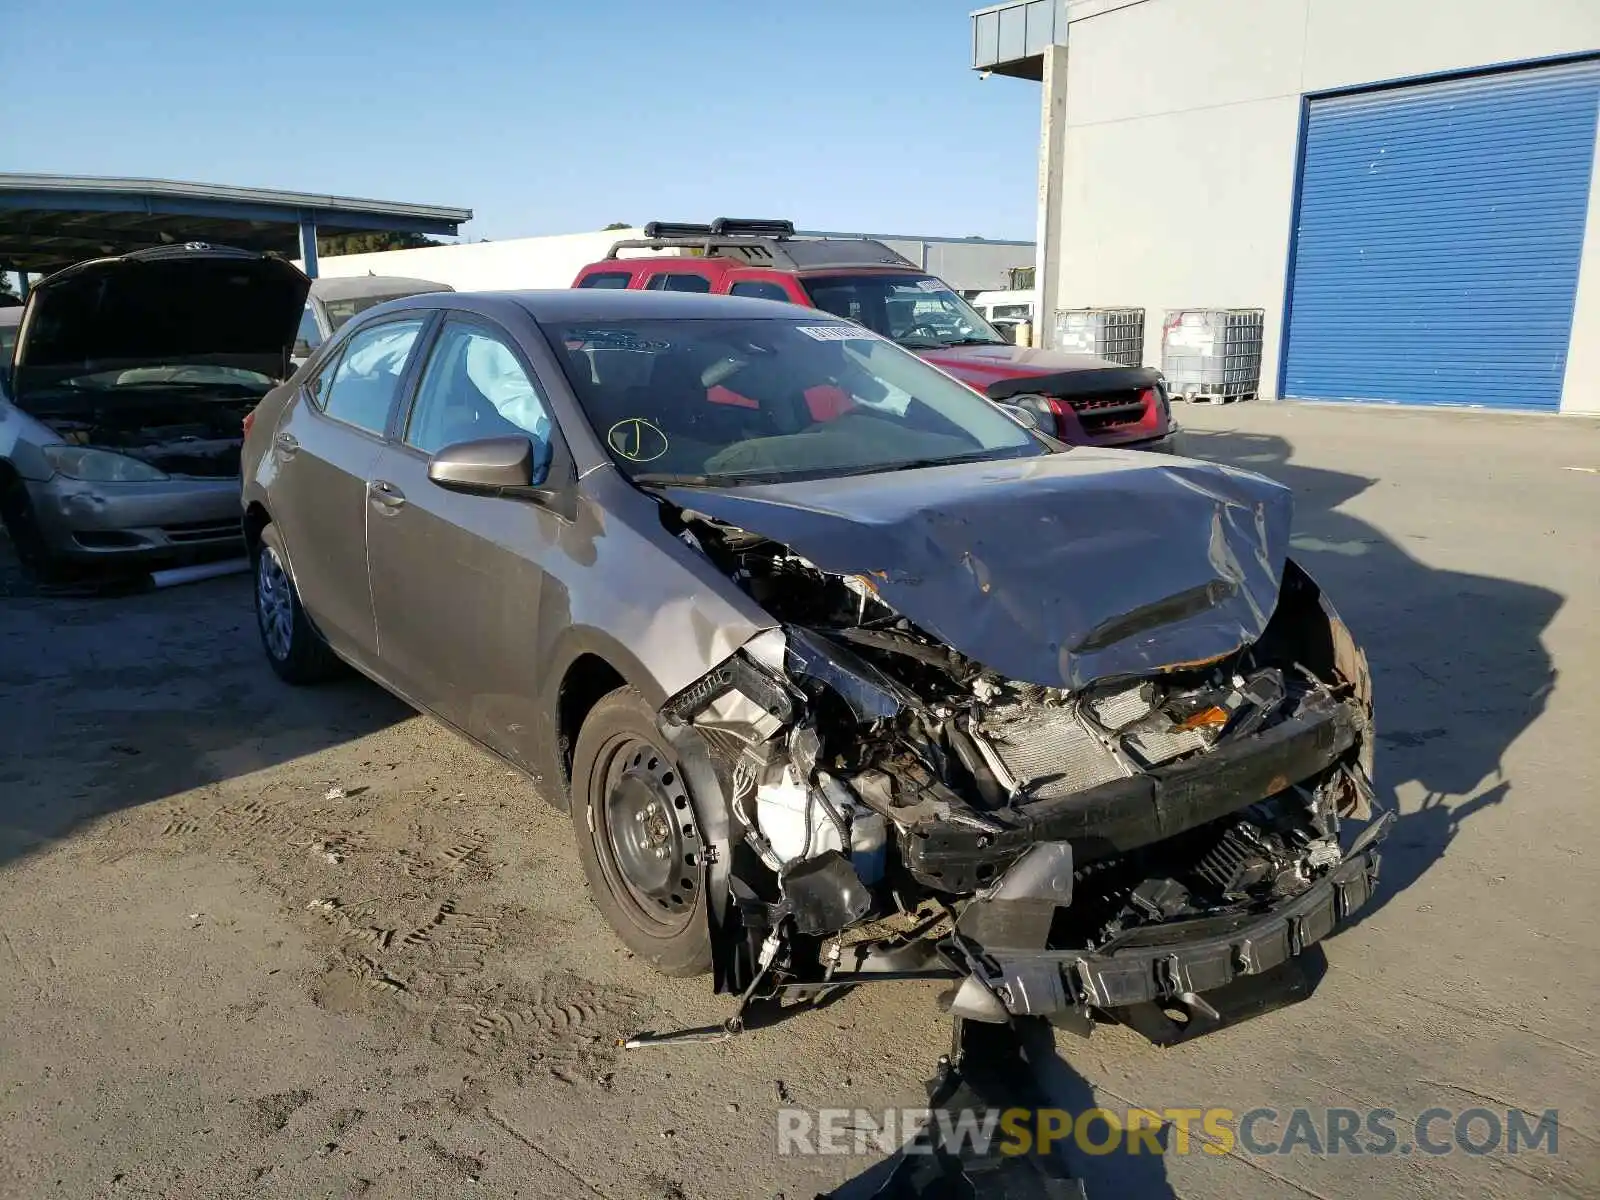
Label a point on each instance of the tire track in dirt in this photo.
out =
(565, 1019)
(410, 929)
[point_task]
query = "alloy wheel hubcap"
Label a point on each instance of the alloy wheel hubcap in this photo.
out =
(274, 604)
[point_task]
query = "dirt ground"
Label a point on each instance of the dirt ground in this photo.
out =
(265, 941)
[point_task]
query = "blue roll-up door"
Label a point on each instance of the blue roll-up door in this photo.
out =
(1439, 237)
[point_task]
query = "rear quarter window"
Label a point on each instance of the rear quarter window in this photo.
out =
(606, 279)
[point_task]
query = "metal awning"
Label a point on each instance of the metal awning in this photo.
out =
(1011, 38)
(51, 221)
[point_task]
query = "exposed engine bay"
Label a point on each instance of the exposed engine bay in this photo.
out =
(902, 811)
(183, 436)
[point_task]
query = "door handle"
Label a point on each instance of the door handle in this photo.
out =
(385, 494)
(286, 443)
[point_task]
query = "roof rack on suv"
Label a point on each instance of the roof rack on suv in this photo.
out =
(762, 242)
(721, 227)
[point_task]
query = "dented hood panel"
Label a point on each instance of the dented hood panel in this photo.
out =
(1057, 570)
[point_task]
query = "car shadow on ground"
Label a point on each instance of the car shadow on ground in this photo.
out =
(1459, 667)
(117, 699)
(1004, 1069)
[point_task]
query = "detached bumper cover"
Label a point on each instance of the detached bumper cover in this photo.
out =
(1165, 962)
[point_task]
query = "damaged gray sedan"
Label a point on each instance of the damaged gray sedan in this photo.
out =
(845, 673)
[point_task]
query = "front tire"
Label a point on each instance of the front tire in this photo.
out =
(16, 511)
(638, 837)
(294, 648)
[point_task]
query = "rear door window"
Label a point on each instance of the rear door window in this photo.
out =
(679, 281)
(606, 279)
(366, 381)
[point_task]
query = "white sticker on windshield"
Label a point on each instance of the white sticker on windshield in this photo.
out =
(835, 333)
(931, 285)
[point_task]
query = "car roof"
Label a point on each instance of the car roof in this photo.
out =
(777, 253)
(352, 287)
(602, 304)
(717, 265)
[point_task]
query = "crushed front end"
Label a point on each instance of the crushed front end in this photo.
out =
(899, 810)
(1117, 786)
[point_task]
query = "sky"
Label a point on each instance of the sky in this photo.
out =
(541, 116)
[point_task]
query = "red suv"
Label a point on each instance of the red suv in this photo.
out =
(1078, 397)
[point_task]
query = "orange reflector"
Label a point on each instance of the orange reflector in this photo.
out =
(1203, 719)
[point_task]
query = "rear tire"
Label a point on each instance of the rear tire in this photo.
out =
(638, 837)
(293, 647)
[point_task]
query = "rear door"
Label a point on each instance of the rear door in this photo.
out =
(457, 579)
(323, 453)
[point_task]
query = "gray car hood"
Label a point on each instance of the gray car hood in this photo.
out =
(1058, 570)
(170, 306)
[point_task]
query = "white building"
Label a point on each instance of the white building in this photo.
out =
(1403, 186)
(966, 264)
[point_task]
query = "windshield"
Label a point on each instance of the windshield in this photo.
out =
(918, 311)
(719, 401)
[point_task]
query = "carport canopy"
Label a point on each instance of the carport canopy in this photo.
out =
(52, 221)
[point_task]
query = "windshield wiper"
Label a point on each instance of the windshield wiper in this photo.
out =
(668, 479)
(917, 464)
(720, 479)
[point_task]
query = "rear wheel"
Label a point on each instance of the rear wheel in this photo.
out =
(294, 647)
(638, 838)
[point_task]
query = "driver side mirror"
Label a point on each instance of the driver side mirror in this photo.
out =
(502, 466)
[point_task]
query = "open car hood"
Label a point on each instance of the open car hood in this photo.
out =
(169, 306)
(1058, 570)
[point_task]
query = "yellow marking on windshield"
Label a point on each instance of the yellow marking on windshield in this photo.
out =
(637, 439)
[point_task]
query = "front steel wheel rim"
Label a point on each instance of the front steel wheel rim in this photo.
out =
(648, 843)
(274, 604)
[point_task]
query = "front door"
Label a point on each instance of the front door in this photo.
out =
(324, 451)
(457, 579)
